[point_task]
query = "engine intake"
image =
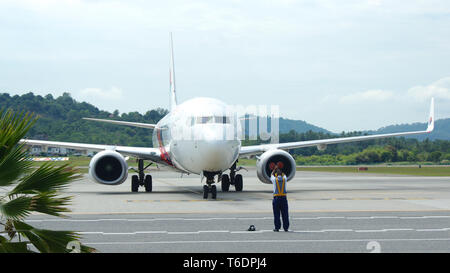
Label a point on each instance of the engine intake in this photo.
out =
(267, 161)
(109, 168)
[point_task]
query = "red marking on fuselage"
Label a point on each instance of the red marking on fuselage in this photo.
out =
(164, 155)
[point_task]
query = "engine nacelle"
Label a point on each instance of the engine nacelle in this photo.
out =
(108, 168)
(267, 160)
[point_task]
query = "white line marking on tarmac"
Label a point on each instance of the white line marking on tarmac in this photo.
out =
(269, 241)
(338, 230)
(214, 231)
(151, 232)
(182, 232)
(434, 229)
(257, 231)
(237, 218)
(399, 229)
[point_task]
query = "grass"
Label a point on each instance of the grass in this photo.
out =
(405, 170)
(83, 163)
(247, 162)
(80, 162)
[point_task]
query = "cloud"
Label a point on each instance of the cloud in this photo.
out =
(439, 89)
(113, 93)
(369, 95)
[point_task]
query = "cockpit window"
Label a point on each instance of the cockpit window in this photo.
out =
(223, 120)
(211, 119)
(203, 120)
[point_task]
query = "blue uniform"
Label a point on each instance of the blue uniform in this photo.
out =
(279, 203)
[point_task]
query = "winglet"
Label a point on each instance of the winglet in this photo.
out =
(430, 127)
(173, 94)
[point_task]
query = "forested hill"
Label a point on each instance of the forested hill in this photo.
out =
(60, 120)
(441, 130)
(299, 126)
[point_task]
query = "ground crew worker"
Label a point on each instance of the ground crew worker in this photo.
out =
(279, 203)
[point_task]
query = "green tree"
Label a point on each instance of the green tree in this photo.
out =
(434, 156)
(30, 190)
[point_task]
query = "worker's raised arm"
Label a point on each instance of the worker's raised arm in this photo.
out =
(274, 170)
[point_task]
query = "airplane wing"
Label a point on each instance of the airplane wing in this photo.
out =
(321, 143)
(134, 124)
(153, 154)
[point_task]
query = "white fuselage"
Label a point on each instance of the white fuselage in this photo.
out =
(201, 134)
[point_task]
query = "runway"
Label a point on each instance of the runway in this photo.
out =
(311, 232)
(329, 212)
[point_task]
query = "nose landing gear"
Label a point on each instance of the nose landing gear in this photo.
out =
(209, 187)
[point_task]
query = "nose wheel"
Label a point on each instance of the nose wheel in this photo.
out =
(209, 187)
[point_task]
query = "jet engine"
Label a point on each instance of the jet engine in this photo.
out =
(108, 168)
(267, 161)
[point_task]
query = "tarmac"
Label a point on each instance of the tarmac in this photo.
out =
(329, 212)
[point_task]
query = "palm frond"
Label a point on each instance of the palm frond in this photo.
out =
(17, 208)
(36, 191)
(13, 127)
(49, 203)
(13, 165)
(12, 247)
(49, 240)
(47, 178)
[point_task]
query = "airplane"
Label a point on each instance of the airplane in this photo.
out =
(209, 154)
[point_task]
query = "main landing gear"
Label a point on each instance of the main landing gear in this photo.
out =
(141, 179)
(233, 179)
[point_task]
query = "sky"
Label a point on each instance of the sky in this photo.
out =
(340, 65)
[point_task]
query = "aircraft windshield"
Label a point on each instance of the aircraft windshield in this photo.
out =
(211, 119)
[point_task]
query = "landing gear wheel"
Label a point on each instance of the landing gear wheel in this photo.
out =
(225, 183)
(213, 192)
(148, 183)
(238, 182)
(134, 183)
(205, 192)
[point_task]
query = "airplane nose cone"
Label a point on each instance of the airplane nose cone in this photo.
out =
(218, 155)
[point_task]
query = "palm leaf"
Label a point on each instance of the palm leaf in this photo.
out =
(36, 191)
(13, 165)
(49, 240)
(49, 203)
(47, 178)
(36, 241)
(12, 247)
(17, 208)
(13, 127)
